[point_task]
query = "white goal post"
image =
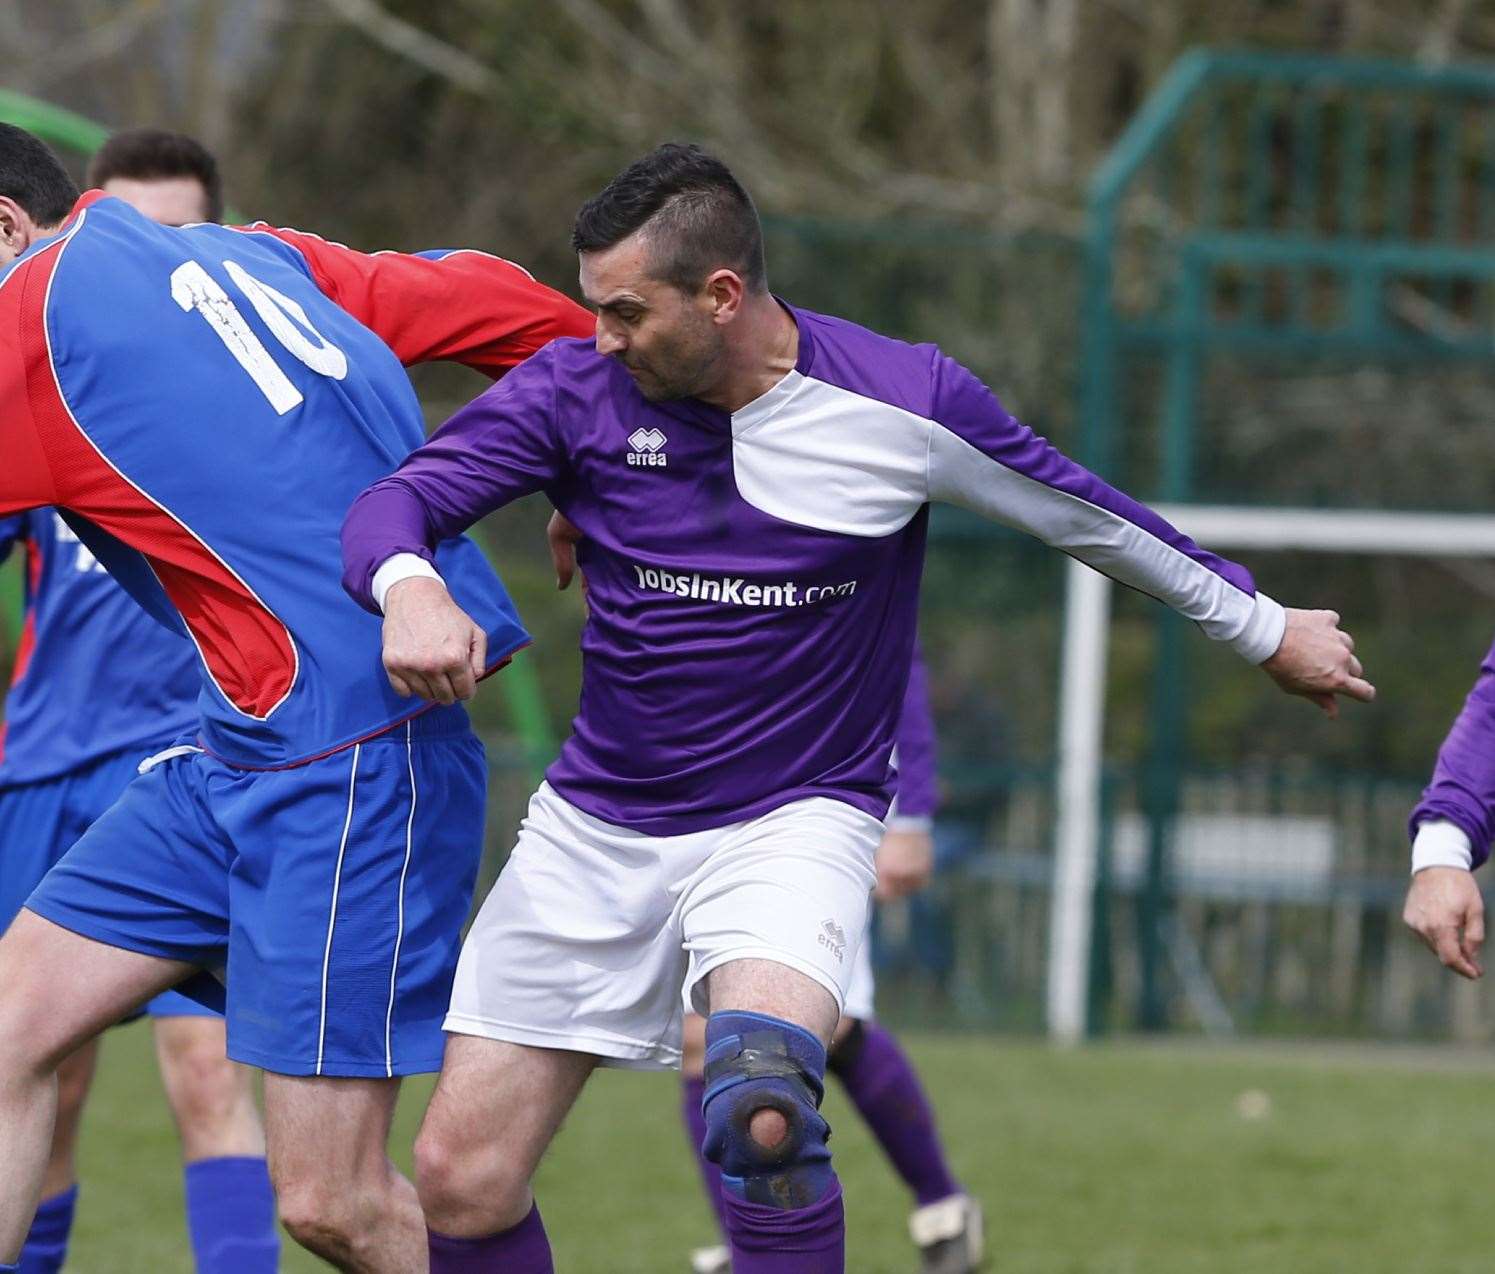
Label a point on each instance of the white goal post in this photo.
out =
(1082, 693)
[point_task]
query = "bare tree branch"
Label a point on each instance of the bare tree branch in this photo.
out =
(417, 46)
(95, 44)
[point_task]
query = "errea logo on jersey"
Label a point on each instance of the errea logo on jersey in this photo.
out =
(648, 448)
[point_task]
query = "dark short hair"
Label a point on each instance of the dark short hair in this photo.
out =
(700, 217)
(151, 154)
(34, 177)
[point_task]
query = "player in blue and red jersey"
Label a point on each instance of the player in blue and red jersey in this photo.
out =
(752, 483)
(202, 404)
(98, 686)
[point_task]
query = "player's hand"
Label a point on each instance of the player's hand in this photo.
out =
(1317, 660)
(1445, 910)
(563, 538)
(905, 860)
(431, 646)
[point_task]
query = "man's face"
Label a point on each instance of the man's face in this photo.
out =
(173, 201)
(665, 338)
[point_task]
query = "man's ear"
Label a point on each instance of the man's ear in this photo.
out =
(725, 290)
(16, 228)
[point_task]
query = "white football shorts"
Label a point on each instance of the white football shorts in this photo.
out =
(592, 930)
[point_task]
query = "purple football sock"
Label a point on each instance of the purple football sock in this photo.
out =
(45, 1249)
(522, 1250)
(692, 1090)
(882, 1084)
(768, 1240)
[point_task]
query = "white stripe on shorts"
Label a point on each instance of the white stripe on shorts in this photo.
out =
(337, 880)
(389, 1063)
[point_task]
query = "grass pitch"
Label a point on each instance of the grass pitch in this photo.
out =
(1121, 1159)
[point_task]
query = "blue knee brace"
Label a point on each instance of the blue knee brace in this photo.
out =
(754, 1063)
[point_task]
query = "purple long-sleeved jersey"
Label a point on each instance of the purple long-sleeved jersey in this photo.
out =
(1462, 790)
(914, 755)
(753, 577)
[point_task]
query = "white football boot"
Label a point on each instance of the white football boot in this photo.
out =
(948, 1234)
(711, 1260)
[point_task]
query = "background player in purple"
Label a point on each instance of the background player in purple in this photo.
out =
(752, 483)
(202, 404)
(99, 685)
(864, 1056)
(1452, 829)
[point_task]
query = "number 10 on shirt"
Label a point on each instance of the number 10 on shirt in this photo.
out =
(193, 288)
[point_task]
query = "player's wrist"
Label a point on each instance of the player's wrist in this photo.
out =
(910, 823)
(1262, 635)
(398, 569)
(1441, 843)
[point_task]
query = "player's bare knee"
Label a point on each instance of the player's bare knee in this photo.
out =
(29, 1049)
(329, 1216)
(206, 1090)
(457, 1179)
(768, 1127)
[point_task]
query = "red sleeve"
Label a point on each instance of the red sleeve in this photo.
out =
(25, 477)
(463, 306)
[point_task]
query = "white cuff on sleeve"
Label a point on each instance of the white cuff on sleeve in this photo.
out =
(401, 566)
(1259, 639)
(910, 823)
(1440, 843)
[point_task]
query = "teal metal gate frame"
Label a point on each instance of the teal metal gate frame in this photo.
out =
(73, 132)
(1357, 176)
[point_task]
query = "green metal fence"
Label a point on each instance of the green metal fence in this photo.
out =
(1263, 215)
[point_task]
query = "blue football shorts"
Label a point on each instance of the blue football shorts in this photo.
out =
(330, 895)
(40, 821)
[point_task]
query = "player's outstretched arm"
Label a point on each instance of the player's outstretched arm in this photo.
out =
(1452, 827)
(499, 447)
(459, 306)
(980, 457)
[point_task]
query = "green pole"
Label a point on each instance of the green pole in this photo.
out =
(531, 720)
(1169, 699)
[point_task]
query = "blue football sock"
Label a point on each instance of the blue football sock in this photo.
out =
(45, 1247)
(231, 1216)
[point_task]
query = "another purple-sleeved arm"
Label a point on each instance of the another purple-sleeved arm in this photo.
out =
(983, 459)
(918, 794)
(499, 447)
(1462, 790)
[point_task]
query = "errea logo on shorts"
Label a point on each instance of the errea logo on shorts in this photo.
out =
(833, 938)
(647, 448)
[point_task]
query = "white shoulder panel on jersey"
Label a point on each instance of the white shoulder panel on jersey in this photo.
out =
(817, 455)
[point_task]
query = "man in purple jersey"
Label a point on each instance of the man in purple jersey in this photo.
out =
(1452, 827)
(101, 685)
(947, 1224)
(752, 483)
